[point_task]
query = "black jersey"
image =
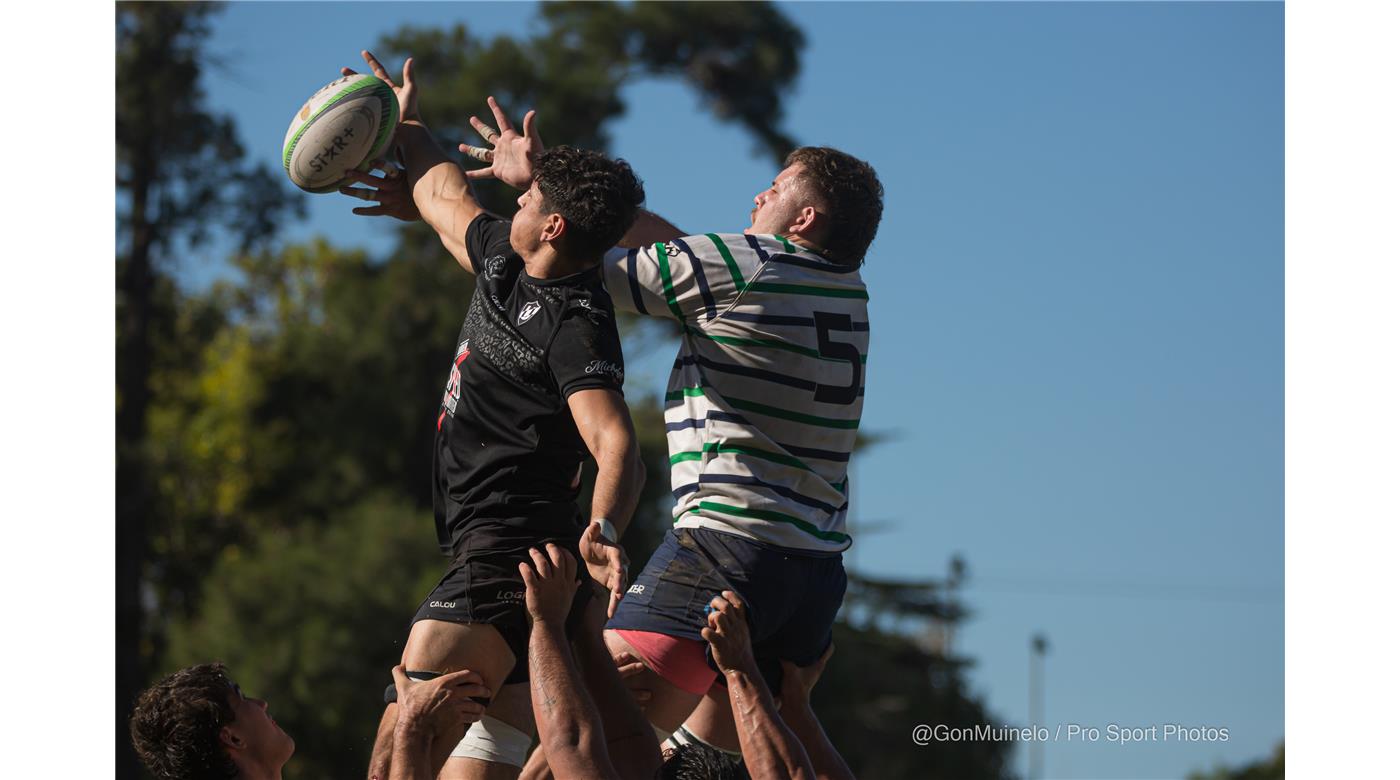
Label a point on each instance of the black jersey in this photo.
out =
(507, 455)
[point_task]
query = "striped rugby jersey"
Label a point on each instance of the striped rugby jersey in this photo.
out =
(765, 396)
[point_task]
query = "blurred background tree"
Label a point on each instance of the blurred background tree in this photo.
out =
(1270, 768)
(180, 171)
(274, 432)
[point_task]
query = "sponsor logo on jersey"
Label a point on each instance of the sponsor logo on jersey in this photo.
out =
(511, 595)
(443, 604)
(637, 589)
(527, 311)
(605, 368)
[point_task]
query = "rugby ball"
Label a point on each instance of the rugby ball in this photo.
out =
(346, 125)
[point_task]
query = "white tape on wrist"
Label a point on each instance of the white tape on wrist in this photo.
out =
(606, 526)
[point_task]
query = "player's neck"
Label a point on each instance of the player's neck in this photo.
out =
(259, 773)
(549, 264)
(806, 243)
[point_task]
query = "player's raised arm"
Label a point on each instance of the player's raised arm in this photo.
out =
(440, 190)
(570, 732)
(796, 698)
(693, 279)
(511, 157)
(632, 746)
(649, 229)
(771, 750)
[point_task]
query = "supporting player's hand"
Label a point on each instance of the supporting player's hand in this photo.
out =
(607, 563)
(389, 191)
(630, 668)
(549, 584)
(512, 153)
(407, 94)
(728, 634)
(426, 705)
(798, 681)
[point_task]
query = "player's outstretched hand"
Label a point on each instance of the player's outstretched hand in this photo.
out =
(798, 681)
(728, 633)
(607, 563)
(439, 702)
(389, 191)
(512, 153)
(407, 94)
(549, 584)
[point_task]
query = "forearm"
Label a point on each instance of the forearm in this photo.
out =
(771, 751)
(649, 229)
(440, 189)
(619, 484)
(570, 733)
(412, 752)
(827, 762)
(632, 746)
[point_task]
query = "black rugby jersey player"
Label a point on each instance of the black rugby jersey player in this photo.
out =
(507, 454)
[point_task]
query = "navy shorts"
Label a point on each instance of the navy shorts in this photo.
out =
(488, 589)
(792, 595)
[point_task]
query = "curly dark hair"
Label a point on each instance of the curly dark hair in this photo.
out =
(597, 197)
(852, 193)
(699, 762)
(175, 727)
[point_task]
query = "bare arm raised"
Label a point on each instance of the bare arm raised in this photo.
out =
(441, 193)
(511, 160)
(771, 750)
(571, 733)
(797, 712)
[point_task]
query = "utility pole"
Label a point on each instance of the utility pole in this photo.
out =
(1039, 647)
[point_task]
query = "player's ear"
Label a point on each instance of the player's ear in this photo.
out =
(554, 227)
(809, 223)
(229, 738)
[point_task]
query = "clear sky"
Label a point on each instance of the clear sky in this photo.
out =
(1077, 321)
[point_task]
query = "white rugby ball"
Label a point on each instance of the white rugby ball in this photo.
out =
(346, 125)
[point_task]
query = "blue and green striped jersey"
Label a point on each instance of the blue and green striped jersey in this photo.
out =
(765, 396)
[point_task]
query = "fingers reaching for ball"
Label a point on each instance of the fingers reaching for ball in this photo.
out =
(389, 191)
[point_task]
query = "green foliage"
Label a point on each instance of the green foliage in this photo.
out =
(180, 171)
(878, 686)
(1270, 768)
(287, 523)
(180, 167)
(739, 57)
(312, 617)
(894, 657)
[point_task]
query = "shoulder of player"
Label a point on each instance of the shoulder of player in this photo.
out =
(761, 248)
(487, 220)
(587, 304)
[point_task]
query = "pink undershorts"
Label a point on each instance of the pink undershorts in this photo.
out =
(680, 662)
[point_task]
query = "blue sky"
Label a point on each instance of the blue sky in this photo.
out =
(1077, 320)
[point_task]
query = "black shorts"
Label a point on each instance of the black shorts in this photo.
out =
(792, 595)
(488, 589)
